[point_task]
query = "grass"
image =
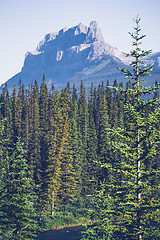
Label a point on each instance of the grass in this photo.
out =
(67, 216)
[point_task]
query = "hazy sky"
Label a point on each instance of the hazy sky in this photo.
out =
(24, 23)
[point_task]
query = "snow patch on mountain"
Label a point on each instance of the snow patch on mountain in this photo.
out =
(59, 55)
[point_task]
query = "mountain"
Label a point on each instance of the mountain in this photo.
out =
(74, 54)
(154, 58)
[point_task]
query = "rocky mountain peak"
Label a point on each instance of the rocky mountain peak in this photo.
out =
(80, 43)
(71, 50)
(74, 36)
(73, 54)
(80, 28)
(94, 33)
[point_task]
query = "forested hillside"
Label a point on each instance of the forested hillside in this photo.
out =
(63, 136)
(59, 137)
(58, 141)
(99, 150)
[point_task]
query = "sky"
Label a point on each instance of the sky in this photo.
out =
(24, 23)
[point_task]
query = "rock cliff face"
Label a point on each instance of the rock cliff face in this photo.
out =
(74, 54)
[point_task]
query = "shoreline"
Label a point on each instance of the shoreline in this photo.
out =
(65, 226)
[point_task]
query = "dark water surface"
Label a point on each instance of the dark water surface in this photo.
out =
(72, 233)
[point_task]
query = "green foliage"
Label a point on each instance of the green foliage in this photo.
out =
(18, 218)
(130, 159)
(71, 214)
(102, 229)
(136, 196)
(71, 144)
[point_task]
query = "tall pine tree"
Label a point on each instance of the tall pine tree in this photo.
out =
(137, 196)
(18, 217)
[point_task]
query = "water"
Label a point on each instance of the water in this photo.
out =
(73, 233)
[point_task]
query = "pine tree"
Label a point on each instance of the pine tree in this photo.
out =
(103, 138)
(133, 186)
(114, 115)
(83, 115)
(44, 126)
(76, 141)
(33, 154)
(53, 169)
(102, 229)
(83, 127)
(98, 103)
(3, 171)
(19, 110)
(14, 114)
(109, 100)
(136, 197)
(6, 111)
(43, 106)
(18, 218)
(25, 119)
(120, 101)
(92, 143)
(68, 187)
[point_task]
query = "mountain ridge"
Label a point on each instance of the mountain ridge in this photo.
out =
(74, 54)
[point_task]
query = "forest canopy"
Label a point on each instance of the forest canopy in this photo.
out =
(99, 149)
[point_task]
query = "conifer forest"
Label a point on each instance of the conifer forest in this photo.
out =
(93, 153)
